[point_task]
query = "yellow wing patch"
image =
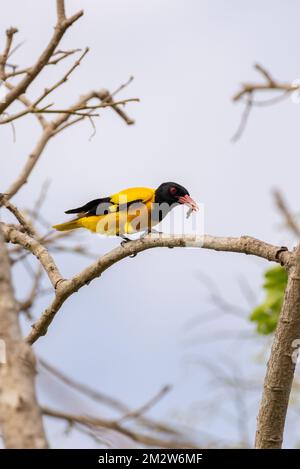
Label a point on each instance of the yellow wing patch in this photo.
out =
(133, 194)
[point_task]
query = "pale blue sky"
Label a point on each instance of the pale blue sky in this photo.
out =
(125, 333)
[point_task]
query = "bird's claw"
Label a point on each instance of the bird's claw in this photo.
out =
(123, 244)
(125, 240)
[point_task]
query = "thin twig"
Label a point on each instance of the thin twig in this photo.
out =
(18, 214)
(288, 216)
(133, 414)
(92, 422)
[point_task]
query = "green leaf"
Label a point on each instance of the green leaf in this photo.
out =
(266, 314)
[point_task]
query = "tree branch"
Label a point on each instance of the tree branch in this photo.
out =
(28, 104)
(56, 126)
(20, 415)
(3, 58)
(281, 365)
(27, 303)
(18, 214)
(270, 85)
(106, 399)
(61, 56)
(136, 413)
(30, 163)
(288, 216)
(32, 108)
(244, 244)
(249, 89)
(60, 8)
(61, 26)
(92, 422)
(12, 235)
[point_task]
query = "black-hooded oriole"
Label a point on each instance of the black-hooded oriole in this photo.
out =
(129, 211)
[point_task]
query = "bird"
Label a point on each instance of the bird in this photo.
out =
(129, 211)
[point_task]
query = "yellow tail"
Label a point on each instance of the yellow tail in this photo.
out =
(69, 225)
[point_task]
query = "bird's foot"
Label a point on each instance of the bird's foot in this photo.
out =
(124, 242)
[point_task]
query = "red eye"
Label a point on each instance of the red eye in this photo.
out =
(173, 190)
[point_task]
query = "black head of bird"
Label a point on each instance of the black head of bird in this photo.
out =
(173, 194)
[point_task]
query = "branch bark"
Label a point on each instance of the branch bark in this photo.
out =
(281, 365)
(20, 415)
(12, 235)
(64, 289)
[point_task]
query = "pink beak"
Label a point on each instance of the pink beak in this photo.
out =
(187, 200)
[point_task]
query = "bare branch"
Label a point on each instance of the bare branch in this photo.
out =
(244, 119)
(56, 126)
(21, 422)
(32, 108)
(265, 73)
(27, 303)
(47, 91)
(270, 85)
(35, 212)
(61, 13)
(3, 58)
(18, 214)
(122, 87)
(61, 26)
(30, 163)
(92, 422)
(61, 56)
(249, 89)
(281, 365)
(288, 216)
(14, 236)
(133, 414)
(244, 244)
(106, 399)
(26, 102)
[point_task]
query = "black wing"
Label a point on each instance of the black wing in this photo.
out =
(91, 207)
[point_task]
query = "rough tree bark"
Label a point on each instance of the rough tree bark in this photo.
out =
(281, 365)
(21, 419)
